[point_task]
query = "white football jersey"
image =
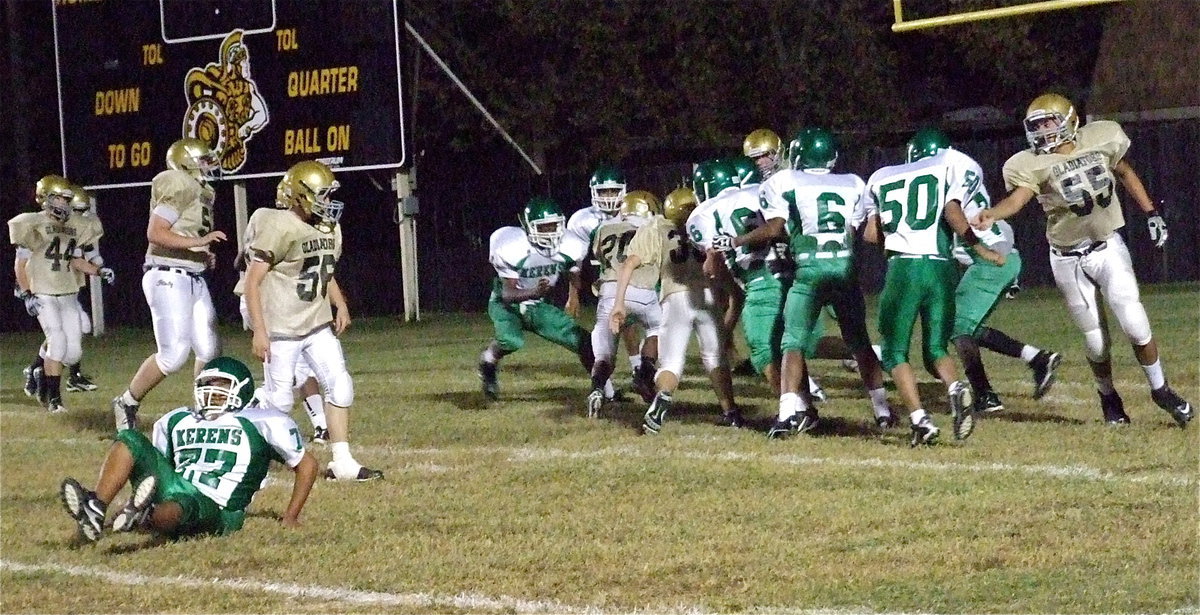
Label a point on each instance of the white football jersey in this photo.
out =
(581, 231)
(735, 211)
(822, 210)
(513, 256)
(911, 198)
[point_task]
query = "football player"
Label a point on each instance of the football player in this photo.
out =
(914, 207)
(612, 239)
(179, 231)
(49, 251)
(688, 304)
(819, 213)
(729, 206)
(297, 309)
(528, 262)
(202, 467)
(1073, 172)
(608, 189)
(980, 289)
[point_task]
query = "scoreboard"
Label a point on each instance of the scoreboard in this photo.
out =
(267, 83)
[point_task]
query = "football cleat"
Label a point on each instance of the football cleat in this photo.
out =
(815, 391)
(732, 418)
(885, 421)
(362, 474)
(32, 384)
(1044, 365)
(124, 414)
(79, 383)
(850, 365)
(1114, 409)
(924, 432)
(43, 392)
(487, 376)
(643, 381)
(320, 435)
(783, 428)
(988, 401)
(962, 410)
(656, 414)
(1168, 400)
(55, 406)
(806, 421)
(595, 400)
(84, 508)
(133, 513)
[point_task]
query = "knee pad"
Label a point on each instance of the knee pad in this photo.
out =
(56, 345)
(207, 348)
(172, 357)
(85, 322)
(603, 342)
(341, 390)
(74, 352)
(1131, 315)
(1096, 345)
(712, 360)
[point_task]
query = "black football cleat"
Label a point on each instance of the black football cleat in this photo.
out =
(962, 410)
(1044, 366)
(1176, 406)
(1114, 409)
(487, 377)
(924, 432)
(988, 401)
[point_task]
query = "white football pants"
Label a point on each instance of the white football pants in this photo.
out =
(322, 352)
(684, 312)
(1082, 280)
(184, 318)
(60, 320)
(640, 303)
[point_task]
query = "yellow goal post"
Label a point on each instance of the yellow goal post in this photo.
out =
(951, 19)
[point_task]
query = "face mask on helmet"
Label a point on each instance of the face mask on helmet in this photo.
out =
(608, 188)
(762, 147)
(82, 203)
(327, 211)
(310, 186)
(543, 225)
(1050, 122)
(224, 385)
(196, 158)
(54, 194)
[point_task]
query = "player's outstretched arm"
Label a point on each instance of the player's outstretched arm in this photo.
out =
(1006, 208)
(306, 475)
(159, 233)
(958, 223)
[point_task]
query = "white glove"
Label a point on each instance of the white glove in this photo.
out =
(1158, 229)
(31, 304)
(108, 275)
(723, 243)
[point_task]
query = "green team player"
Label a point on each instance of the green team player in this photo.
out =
(528, 262)
(819, 213)
(916, 207)
(203, 467)
(980, 289)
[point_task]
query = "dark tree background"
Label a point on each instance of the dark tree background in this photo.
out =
(650, 85)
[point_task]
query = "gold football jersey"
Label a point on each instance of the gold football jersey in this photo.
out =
(52, 246)
(610, 244)
(95, 230)
(295, 293)
(661, 245)
(193, 204)
(1078, 190)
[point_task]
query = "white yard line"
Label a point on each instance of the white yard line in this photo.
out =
(416, 600)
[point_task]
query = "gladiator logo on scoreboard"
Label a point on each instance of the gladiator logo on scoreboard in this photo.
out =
(225, 108)
(267, 85)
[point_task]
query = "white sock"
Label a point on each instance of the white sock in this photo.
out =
(315, 406)
(488, 356)
(127, 398)
(878, 350)
(609, 390)
(1028, 353)
(879, 401)
(918, 415)
(341, 453)
(789, 404)
(635, 361)
(1154, 374)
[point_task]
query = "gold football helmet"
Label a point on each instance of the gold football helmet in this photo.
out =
(196, 157)
(83, 201)
(53, 194)
(1050, 121)
(641, 203)
(763, 147)
(310, 185)
(679, 205)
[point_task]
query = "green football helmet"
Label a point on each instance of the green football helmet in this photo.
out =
(544, 224)
(927, 142)
(608, 188)
(224, 385)
(747, 172)
(713, 176)
(813, 148)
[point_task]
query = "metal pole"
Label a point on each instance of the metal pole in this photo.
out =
(97, 296)
(241, 214)
(408, 247)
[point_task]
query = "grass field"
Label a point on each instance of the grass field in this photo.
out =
(526, 506)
